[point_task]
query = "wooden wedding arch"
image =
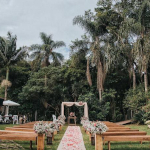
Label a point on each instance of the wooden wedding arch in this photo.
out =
(69, 104)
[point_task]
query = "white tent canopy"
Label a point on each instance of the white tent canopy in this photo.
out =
(9, 103)
(77, 104)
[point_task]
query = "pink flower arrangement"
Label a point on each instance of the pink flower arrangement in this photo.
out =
(72, 114)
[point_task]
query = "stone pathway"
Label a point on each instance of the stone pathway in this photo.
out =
(72, 139)
(10, 145)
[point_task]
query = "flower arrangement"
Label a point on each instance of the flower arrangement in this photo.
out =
(80, 103)
(95, 127)
(100, 127)
(72, 114)
(39, 127)
(91, 128)
(83, 119)
(61, 117)
(50, 128)
(86, 124)
(147, 122)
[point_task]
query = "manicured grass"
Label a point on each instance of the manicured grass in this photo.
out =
(26, 144)
(114, 145)
(121, 145)
(3, 126)
(57, 139)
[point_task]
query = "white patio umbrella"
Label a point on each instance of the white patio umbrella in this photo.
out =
(9, 103)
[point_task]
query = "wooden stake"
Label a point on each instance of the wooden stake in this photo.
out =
(40, 142)
(98, 142)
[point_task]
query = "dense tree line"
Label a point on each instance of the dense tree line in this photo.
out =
(108, 66)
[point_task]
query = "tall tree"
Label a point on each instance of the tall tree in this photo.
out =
(10, 55)
(80, 52)
(44, 52)
(98, 27)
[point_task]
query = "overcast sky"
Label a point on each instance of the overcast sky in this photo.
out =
(27, 18)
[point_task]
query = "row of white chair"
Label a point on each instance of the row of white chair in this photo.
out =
(7, 120)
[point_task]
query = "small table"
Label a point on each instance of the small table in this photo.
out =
(74, 117)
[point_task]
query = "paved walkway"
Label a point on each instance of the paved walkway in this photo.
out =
(72, 139)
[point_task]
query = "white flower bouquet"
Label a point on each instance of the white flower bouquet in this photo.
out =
(86, 124)
(39, 127)
(100, 127)
(91, 128)
(83, 120)
(50, 128)
(61, 117)
(147, 122)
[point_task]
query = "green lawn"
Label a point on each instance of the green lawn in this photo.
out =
(26, 144)
(121, 145)
(114, 145)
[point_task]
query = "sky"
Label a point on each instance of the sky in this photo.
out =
(27, 18)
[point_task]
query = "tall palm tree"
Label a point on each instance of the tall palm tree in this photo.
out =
(144, 40)
(96, 28)
(79, 51)
(10, 55)
(44, 52)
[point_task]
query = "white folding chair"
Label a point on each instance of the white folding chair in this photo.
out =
(6, 119)
(1, 120)
(15, 119)
(54, 118)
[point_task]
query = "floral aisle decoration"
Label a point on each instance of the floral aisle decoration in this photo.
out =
(95, 127)
(62, 117)
(58, 123)
(86, 124)
(147, 122)
(72, 114)
(50, 128)
(84, 119)
(39, 127)
(99, 127)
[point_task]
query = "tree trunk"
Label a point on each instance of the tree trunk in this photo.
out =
(88, 75)
(146, 82)
(100, 80)
(6, 86)
(45, 80)
(100, 94)
(134, 79)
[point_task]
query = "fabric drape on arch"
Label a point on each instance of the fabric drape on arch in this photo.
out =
(77, 104)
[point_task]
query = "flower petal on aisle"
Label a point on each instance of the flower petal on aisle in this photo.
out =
(72, 139)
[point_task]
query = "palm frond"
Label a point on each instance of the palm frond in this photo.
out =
(58, 44)
(45, 38)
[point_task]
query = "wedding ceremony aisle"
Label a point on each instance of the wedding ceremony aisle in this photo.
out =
(72, 139)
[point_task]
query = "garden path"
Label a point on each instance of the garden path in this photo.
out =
(72, 139)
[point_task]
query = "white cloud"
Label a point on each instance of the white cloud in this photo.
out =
(27, 18)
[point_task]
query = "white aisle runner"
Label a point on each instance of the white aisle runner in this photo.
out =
(72, 139)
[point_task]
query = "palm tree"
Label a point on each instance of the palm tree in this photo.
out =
(143, 42)
(96, 29)
(44, 52)
(79, 52)
(10, 55)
